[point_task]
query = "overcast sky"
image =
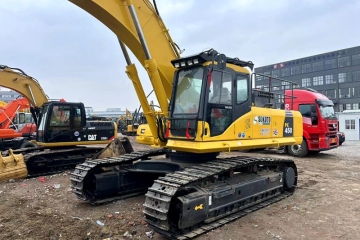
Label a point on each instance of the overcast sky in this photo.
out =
(75, 57)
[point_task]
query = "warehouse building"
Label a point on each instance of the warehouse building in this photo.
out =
(336, 74)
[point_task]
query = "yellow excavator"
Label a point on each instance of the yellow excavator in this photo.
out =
(207, 106)
(62, 131)
(131, 122)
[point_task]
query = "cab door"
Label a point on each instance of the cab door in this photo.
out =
(59, 123)
(219, 110)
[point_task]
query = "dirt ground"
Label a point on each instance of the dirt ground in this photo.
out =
(325, 206)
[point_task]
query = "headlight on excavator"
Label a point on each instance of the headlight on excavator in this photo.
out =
(190, 61)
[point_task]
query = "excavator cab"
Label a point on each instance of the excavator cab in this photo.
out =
(60, 122)
(216, 94)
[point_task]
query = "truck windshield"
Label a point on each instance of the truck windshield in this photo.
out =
(327, 111)
(187, 96)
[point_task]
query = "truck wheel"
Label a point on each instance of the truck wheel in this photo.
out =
(298, 150)
(27, 144)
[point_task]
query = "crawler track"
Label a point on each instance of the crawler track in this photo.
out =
(162, 193)
(89, 168)
(40, 161)
(159, 198)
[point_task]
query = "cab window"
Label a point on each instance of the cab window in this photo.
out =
(219, 112)
(60, 116)
(220, 88)
(242, 89)
(21, 118)
(305, 110)
(77, 117)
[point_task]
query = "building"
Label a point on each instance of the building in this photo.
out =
(336, 74)
(108, 112)
(349, 124)
(8, 95)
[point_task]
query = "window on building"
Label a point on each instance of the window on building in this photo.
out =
(275, 73)
(258, 77)
(342, 77)
(267, 74)
(330, 93)
(355, 59)
(344, 61)
(295, 70)
(329, 79)
(306, 68)
(356, 76)
(344, 92)
(356, 91)
(348, 106)
(285, 72)
(330, 63)
(341, 108)
(318, 66)
(306, 82)
(319, 80)
(355, 106)
(350, 124)
(285, 85)
(275, 88)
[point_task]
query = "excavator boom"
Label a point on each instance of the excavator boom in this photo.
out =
(118, 17)
(136, 23)
(18, 80)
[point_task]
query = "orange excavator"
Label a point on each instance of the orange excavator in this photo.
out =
(15, 132)
(9, 112)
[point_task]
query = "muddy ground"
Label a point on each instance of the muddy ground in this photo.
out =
(326, 205)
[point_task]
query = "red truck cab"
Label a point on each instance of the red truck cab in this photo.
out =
(319, 121)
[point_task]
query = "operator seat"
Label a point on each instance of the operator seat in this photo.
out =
(225, 97)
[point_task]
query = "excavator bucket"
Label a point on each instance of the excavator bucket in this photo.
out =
(12, 166)
(114, 149)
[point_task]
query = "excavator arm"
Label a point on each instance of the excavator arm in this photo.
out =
(138, 26)
(17, 80)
